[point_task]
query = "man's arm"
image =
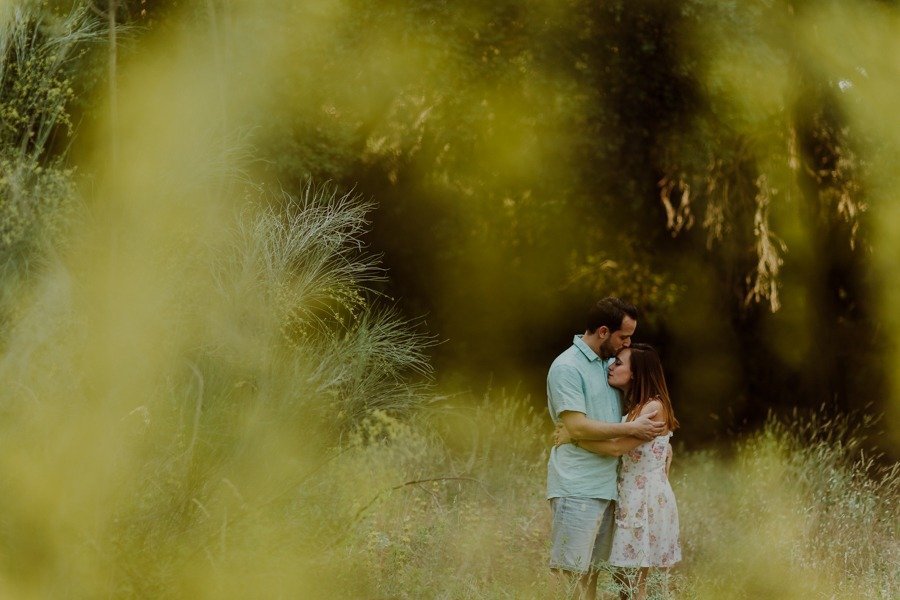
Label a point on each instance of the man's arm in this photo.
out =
(616, 447)
(612, 447)
(581, 428)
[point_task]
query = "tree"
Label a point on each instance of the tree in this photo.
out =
(526, 156)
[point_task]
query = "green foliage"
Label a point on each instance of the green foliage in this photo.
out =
(697, 157)
(533, 142)
(270, 350)
(37, 54)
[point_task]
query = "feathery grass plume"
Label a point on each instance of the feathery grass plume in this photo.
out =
(304, 263)
(306, 258)
(38, 54)
(345, 362)
(38, 51)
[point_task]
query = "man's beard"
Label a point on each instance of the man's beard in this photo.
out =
(606, 349)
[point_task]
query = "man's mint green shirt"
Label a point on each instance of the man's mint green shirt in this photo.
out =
(577, 382)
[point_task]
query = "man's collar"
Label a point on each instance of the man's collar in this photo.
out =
(585, 349)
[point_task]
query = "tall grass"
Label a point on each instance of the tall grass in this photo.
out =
(788, 513)
(38, 54)
(178, 374)
(800, 512)
(300, 270)
(176, 465)
(277, 444)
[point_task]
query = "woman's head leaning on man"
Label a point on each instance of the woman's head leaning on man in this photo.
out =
(638, 372)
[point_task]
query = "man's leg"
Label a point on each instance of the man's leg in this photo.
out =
(603, 543)
(575, 586)
(576, 523)
(588, 585)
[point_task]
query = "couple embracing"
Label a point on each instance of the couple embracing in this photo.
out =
(605, 514)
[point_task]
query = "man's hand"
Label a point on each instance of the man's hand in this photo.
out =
(561, 435)
(645, 428)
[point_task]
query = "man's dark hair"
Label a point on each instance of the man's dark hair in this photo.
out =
(610, 312)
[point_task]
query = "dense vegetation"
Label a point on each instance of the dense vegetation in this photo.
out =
(210, 385)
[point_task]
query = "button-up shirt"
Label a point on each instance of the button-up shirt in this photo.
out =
(577, 382)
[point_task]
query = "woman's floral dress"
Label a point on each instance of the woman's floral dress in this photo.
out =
(646, 516)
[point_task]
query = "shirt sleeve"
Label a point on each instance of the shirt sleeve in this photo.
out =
(566, 390)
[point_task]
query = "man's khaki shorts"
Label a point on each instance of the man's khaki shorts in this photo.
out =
(582, 533)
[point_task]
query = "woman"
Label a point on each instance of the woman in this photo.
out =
(646, 517)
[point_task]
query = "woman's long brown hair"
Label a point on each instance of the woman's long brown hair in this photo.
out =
(647, 383)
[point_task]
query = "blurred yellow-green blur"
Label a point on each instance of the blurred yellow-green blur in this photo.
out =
(197, 404)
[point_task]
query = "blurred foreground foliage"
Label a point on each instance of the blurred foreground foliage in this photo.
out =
(711, 161)
(204, 393)
(447, 504)
(183, 420)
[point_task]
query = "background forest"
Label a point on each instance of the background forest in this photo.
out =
(281, 282)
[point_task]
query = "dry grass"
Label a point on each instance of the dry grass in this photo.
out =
(787, 517)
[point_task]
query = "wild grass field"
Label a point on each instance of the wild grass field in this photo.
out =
(247, 441)
(789, 513)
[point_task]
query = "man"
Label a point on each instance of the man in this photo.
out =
(581, 486)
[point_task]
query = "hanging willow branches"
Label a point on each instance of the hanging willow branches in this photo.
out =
(769, 139)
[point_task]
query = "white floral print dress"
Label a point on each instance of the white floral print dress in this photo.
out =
(646, 517)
